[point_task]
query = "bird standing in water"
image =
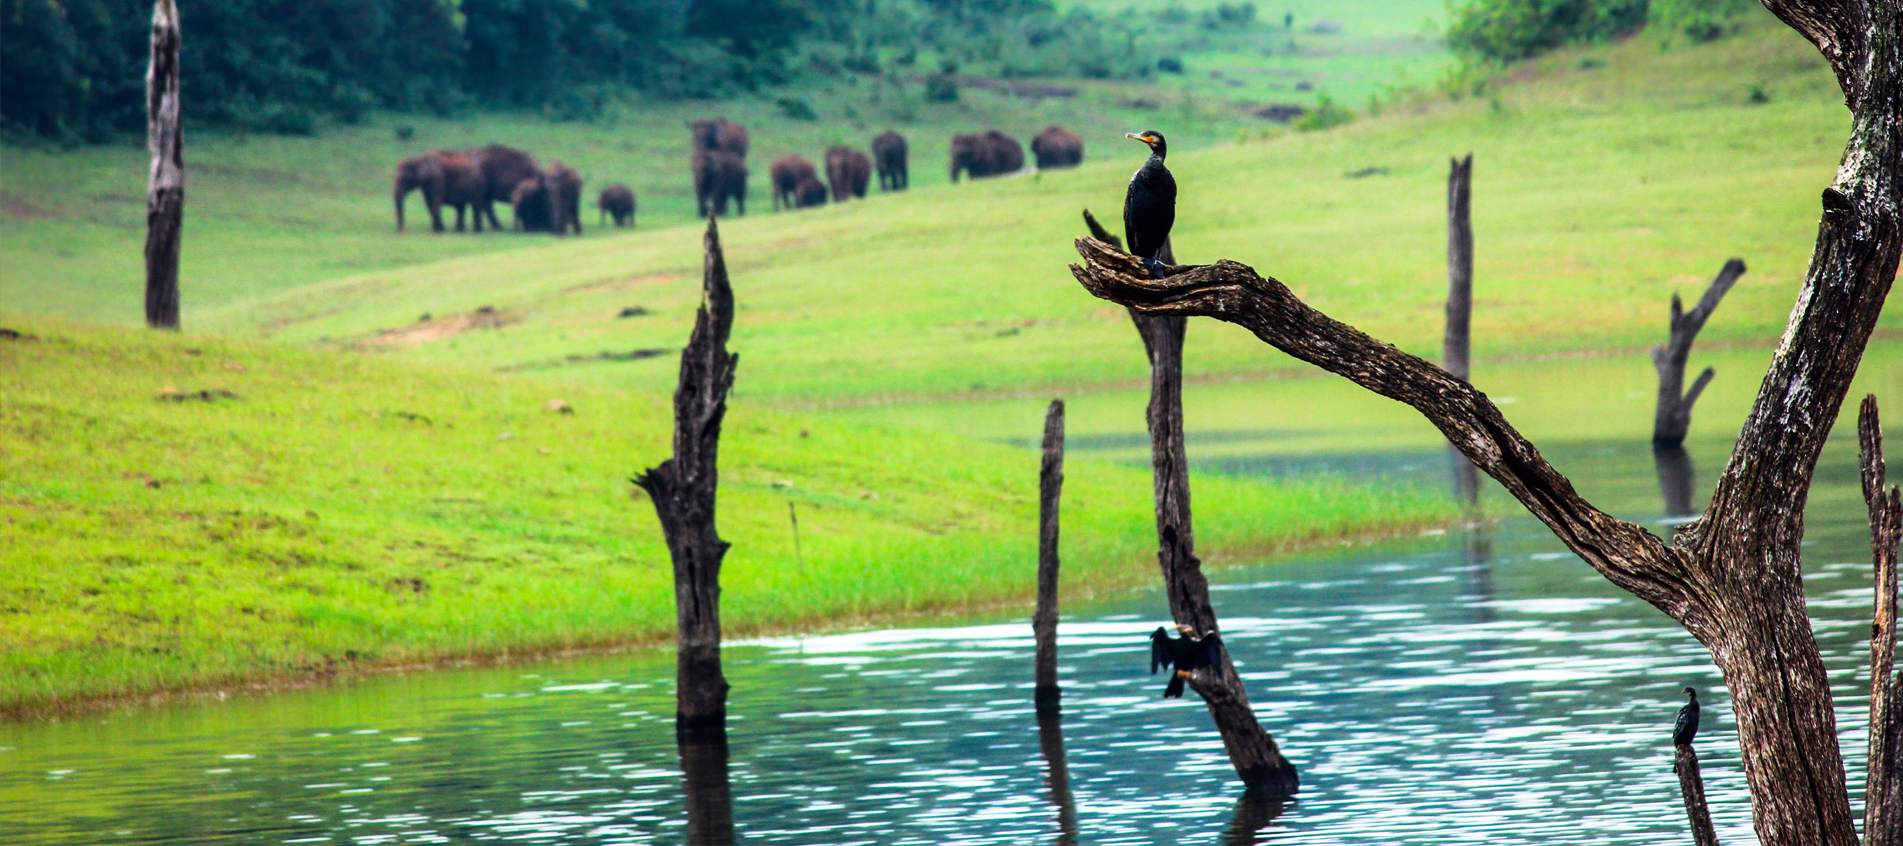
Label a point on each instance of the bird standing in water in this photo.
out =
(1149, 208)
(1188, 653)
(1687, 725)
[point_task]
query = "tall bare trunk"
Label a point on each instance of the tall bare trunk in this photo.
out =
(1044, 620)
(683, 489)
(1457, 344)
(1673, 415)
(165, 194)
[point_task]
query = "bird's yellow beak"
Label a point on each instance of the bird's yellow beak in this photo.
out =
(1145, 137)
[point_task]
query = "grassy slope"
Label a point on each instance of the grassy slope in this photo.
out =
(1598, 193)
(316, 523)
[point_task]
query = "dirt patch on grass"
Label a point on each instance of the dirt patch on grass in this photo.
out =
(15, 207)
(431, 328)
(624, 284)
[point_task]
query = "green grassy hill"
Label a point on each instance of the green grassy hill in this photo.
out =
(317, 511)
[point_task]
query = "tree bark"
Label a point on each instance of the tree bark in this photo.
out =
(1044, 620)
(1258, 762)
(1692, 785)
(165, 192)
(683, 489)
(1882, 804)
(1673, 416)
(1457, 344)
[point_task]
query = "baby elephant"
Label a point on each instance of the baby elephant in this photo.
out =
(617, 200)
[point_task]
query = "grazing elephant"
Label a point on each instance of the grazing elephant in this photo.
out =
(1058, 147)
(720, 134)
(988, 154)
(810, 192)
(531, 202)
(564, 198)
(788, 172)
(888, 152)
(718, 177)
(503, 168)
(848, 170)
(451, 179)
(617, 200)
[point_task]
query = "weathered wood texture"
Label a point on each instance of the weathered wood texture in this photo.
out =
(165, 190)
(709, 789)
(1882, 802)
(1732, 577)
(1044, 619)
(683, 489)
(1456, 351)
(1691, 784)
(1258, 762)
(1673, 415)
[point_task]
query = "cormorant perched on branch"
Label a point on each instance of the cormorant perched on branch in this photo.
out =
(1187, 653)
(1687, 725)
(1149, 208)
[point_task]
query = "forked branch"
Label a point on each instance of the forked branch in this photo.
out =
(1624, 552)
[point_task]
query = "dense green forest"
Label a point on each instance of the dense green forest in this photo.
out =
(73, 70)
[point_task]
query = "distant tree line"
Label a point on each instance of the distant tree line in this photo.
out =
(73, 69)
(1511, 30)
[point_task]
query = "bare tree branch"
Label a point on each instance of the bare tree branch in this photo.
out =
(1882, 805)
(1674, 411)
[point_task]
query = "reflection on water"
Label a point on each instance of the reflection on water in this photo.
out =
(1470, 687)
(1677, 478)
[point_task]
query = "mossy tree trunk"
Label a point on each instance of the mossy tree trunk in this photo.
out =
(1732, 577)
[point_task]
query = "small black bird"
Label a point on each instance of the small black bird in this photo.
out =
(1188, 653)
(1687, 725)
(1149, 208)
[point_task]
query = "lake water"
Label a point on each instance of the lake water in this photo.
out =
(1478, 686)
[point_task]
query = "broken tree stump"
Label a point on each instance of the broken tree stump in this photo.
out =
(165, 191)
(1252, 751)
(1882, 802)
(1044, 620)
(1673, 417)
(1692, 785)
(1457, 344)
(683, 489)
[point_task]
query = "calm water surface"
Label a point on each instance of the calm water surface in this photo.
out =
(1465, 687)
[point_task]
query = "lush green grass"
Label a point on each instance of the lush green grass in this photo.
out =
(344, 510)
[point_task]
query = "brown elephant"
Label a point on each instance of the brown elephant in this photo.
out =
(810, 192)
(1057, 147)
(788, 172)
(445, 178)
(503, 168)
(988, 154)
(564, 198)
(718, 177)
(888, 153)
(531, 202)
(720, 134)
(848, 170)
(617, 200)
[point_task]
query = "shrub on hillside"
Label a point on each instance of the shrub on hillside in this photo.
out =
(1698, 21)
(1511, 30)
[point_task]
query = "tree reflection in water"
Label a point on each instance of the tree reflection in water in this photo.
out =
(709, 793)
(1050, 738)
(1254, 812)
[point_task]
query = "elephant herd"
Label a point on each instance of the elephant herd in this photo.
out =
(549, 199)
(544, 200)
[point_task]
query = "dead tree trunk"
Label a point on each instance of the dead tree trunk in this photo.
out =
(1457, 345)
(165, 192)
(1674, 415)
(1677, 477)
(1253, 752)
(1044, 620)
(1692, 785)
(1732, 577)
(683, 489)
(1882, 803)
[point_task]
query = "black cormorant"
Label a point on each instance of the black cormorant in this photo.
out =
(1149, 208)
(1187, 653)
(1687, 725)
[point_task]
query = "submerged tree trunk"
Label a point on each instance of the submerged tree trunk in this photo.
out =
(709, 789)
(1457, 345)
(683, 490)
(1732, 578)
(1253, 752)
(1044, 620)
(1691, 784)
(1673, 417)
(165, 193)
